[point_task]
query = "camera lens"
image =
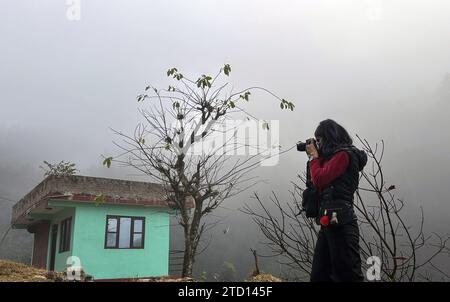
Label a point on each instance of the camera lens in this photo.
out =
(301, 146)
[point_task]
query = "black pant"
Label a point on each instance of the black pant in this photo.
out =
(336, 255)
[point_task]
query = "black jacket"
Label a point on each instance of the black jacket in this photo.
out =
(338, 196)
(344, 187)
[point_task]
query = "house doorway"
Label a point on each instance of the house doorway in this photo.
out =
(54, 237)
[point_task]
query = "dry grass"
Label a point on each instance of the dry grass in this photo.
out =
(166, 279)
(17, 272)
(264, 278)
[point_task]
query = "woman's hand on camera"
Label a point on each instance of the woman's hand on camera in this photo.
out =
(312, 151)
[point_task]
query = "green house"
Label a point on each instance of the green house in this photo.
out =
(113, 229)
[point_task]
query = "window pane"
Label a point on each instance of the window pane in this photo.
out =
(111, 239)
(137, 240)
(67, 236)
(61, 236)
(112, 225)
(65, 233)
(125, 231)
(138, 225)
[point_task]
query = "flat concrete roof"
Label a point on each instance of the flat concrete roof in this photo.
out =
(86, 189)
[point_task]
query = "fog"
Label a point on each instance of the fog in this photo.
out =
(380, 68)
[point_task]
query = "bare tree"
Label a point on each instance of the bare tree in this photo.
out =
(177, 123)
(406, 253)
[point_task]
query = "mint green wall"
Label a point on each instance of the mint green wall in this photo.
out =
(88, 242)
(60, 258)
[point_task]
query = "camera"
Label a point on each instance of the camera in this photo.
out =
(301, 146)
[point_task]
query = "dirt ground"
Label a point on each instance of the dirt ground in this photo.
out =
(17, 272)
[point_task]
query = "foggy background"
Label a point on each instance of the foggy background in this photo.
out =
(380, 68)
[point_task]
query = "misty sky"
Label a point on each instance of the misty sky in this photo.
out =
(374, 66)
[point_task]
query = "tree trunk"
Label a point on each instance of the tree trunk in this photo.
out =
(256, 271)
(188, 260)
(190, 242)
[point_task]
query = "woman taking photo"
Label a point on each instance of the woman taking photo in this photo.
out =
(333, 170)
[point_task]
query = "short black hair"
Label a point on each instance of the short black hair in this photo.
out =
(333, 136)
